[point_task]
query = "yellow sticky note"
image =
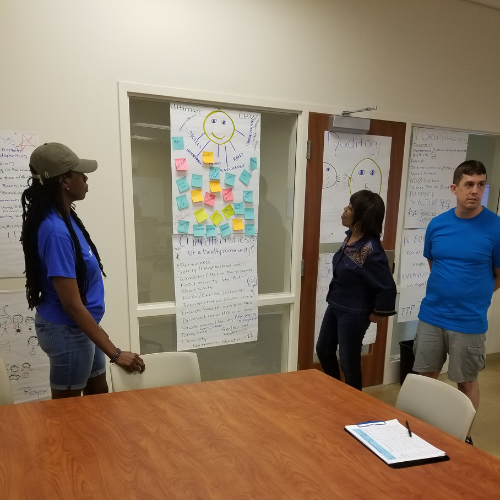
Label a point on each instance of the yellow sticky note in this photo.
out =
(196, 195)
(208, 157)
(237, 224)
(216, 218)
(214, 186)
(200, 215)
(228, 211)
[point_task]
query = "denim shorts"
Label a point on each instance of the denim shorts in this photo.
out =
(73, 357)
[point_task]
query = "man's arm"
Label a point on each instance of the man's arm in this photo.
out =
(496, 273)
(430, 264)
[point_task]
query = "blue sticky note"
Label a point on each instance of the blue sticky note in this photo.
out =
(248, 196)
(214, 173)
(198, 230)
(249, 230)
(177, 143)
(196, 181)
(245, 177)
(183, 226)
(182, 184)
(253, 163)
(211, 231)
(229, 179)
(182, 201)
(249, 213)
(225, 230)
(239, 208)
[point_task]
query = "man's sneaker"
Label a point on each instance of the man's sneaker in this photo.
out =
(468, 440)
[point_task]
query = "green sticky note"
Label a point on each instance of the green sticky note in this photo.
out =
(225, 230)
(198, 230)
(182, 184)
(216, 218)
(214, 173)
(177, 143)
(249, 213)
(228, 211)
(211, 231)
(196, 181)
(239, 208)
(182, 202)
(245, 177)
(248, 196)
(249, 230)
(229, 179)
(183, 226)
(253, 163)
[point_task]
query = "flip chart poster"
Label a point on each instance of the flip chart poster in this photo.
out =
(351, 162)
(325, 275)
(216, 290)
(15, 152)
(215, 170)
(27, 365)
(434, 156)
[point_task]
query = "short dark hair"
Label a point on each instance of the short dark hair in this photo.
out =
(369, 211)
(469, 167)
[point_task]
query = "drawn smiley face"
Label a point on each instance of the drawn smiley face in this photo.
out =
(219, 127)
(330, 176)
(366, 175)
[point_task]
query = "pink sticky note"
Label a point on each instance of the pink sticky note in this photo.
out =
(227, 194)
(209, 199)
(181, 164)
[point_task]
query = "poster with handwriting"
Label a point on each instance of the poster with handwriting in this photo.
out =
(216, 290)
(27, 365)
(216, 151)
(325, 275)
(434, 156)
(15, 152)
(351, 162)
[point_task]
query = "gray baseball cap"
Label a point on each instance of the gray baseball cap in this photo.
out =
(52, 159)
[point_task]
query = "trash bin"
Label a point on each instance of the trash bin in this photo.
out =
(406, 360)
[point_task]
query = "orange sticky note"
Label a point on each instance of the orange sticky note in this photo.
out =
(196, 195)
(181, 164)
(209, 199)
(208, 157)
(237, 224)
(215, 186)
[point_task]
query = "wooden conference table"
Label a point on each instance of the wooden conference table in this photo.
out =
(267, 437)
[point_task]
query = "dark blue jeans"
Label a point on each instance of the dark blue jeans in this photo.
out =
(345, 330)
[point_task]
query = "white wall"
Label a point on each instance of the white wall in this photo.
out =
(432, 61)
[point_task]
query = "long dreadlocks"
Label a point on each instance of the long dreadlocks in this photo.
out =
(38, 200)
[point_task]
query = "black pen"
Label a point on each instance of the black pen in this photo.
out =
(408, 427)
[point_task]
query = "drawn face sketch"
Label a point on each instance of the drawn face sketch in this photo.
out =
(252, 282)
(330, 176)
(366, 175)
(5, 320)
(219, 127)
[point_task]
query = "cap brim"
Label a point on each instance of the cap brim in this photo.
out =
(86, 167)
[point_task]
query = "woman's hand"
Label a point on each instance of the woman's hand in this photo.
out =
(130, 361)
(374, 319)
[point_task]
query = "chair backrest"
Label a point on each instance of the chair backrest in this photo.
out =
(162, 369)
(437, 403)
(6, 397)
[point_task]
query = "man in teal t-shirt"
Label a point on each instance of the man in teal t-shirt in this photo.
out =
(463, 250)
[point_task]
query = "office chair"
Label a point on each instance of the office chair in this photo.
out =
(162, 369)
(437, 403)
(6, 397)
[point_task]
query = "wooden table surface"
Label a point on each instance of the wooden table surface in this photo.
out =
(269, 437)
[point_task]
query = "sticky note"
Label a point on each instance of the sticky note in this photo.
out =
(198, 230)
(239, 208)
(181, 164)
(227, 194)
(182, 184)
(211, 231)
(228, 211)
(253, 163)
(216, 218)
(225, 230)
(249, 230)
(183, 226)
(207, 157)
(214, 186)
(182, 202)
(237, 224)
(245, 177)
(214, 173)
(249, 213)
(196, 181)
(229, 179)
(209, 199)
(177, 143)
(200, 214)
(196, 195)
(248, 196)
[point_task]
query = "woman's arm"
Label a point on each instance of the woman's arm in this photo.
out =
(69, 295)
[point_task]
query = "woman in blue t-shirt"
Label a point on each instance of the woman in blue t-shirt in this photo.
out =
(362, 289)
(64, 276)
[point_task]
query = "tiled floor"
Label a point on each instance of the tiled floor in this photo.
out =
(486, 428)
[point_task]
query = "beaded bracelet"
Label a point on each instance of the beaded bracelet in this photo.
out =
(115, 357)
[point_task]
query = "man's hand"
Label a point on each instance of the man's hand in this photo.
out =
(374, 319)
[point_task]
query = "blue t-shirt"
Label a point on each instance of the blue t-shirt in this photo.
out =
(57, 257)
(463, 253)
